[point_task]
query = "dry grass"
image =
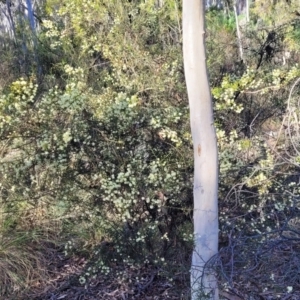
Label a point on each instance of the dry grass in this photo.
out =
(22, 263)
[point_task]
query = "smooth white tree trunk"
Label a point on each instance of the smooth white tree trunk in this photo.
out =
(238, 31)
(203, 280)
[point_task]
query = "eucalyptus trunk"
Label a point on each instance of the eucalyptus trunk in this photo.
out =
(239, 37)
(203, 279)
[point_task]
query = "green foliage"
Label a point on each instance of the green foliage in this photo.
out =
(109, 148)
(100, 149)
(217, 18)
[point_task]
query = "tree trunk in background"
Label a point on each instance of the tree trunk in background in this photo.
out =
(10, 20)
(15, 14)
(206, 228)
(247, 11)
(30, 14)
(238, 30)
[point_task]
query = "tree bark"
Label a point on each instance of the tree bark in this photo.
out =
(203, 280)
(239, 37)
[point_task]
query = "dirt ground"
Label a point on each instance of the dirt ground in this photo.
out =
(136, 283)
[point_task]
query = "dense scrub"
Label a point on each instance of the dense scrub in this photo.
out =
(96, 153)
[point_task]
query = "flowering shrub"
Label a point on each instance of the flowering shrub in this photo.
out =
(103, 145)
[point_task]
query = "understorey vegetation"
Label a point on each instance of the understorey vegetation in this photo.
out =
(96, 157)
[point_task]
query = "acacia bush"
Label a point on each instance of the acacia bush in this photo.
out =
(106, 146)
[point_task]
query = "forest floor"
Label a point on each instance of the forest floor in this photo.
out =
(63, 283)
(121, 283)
